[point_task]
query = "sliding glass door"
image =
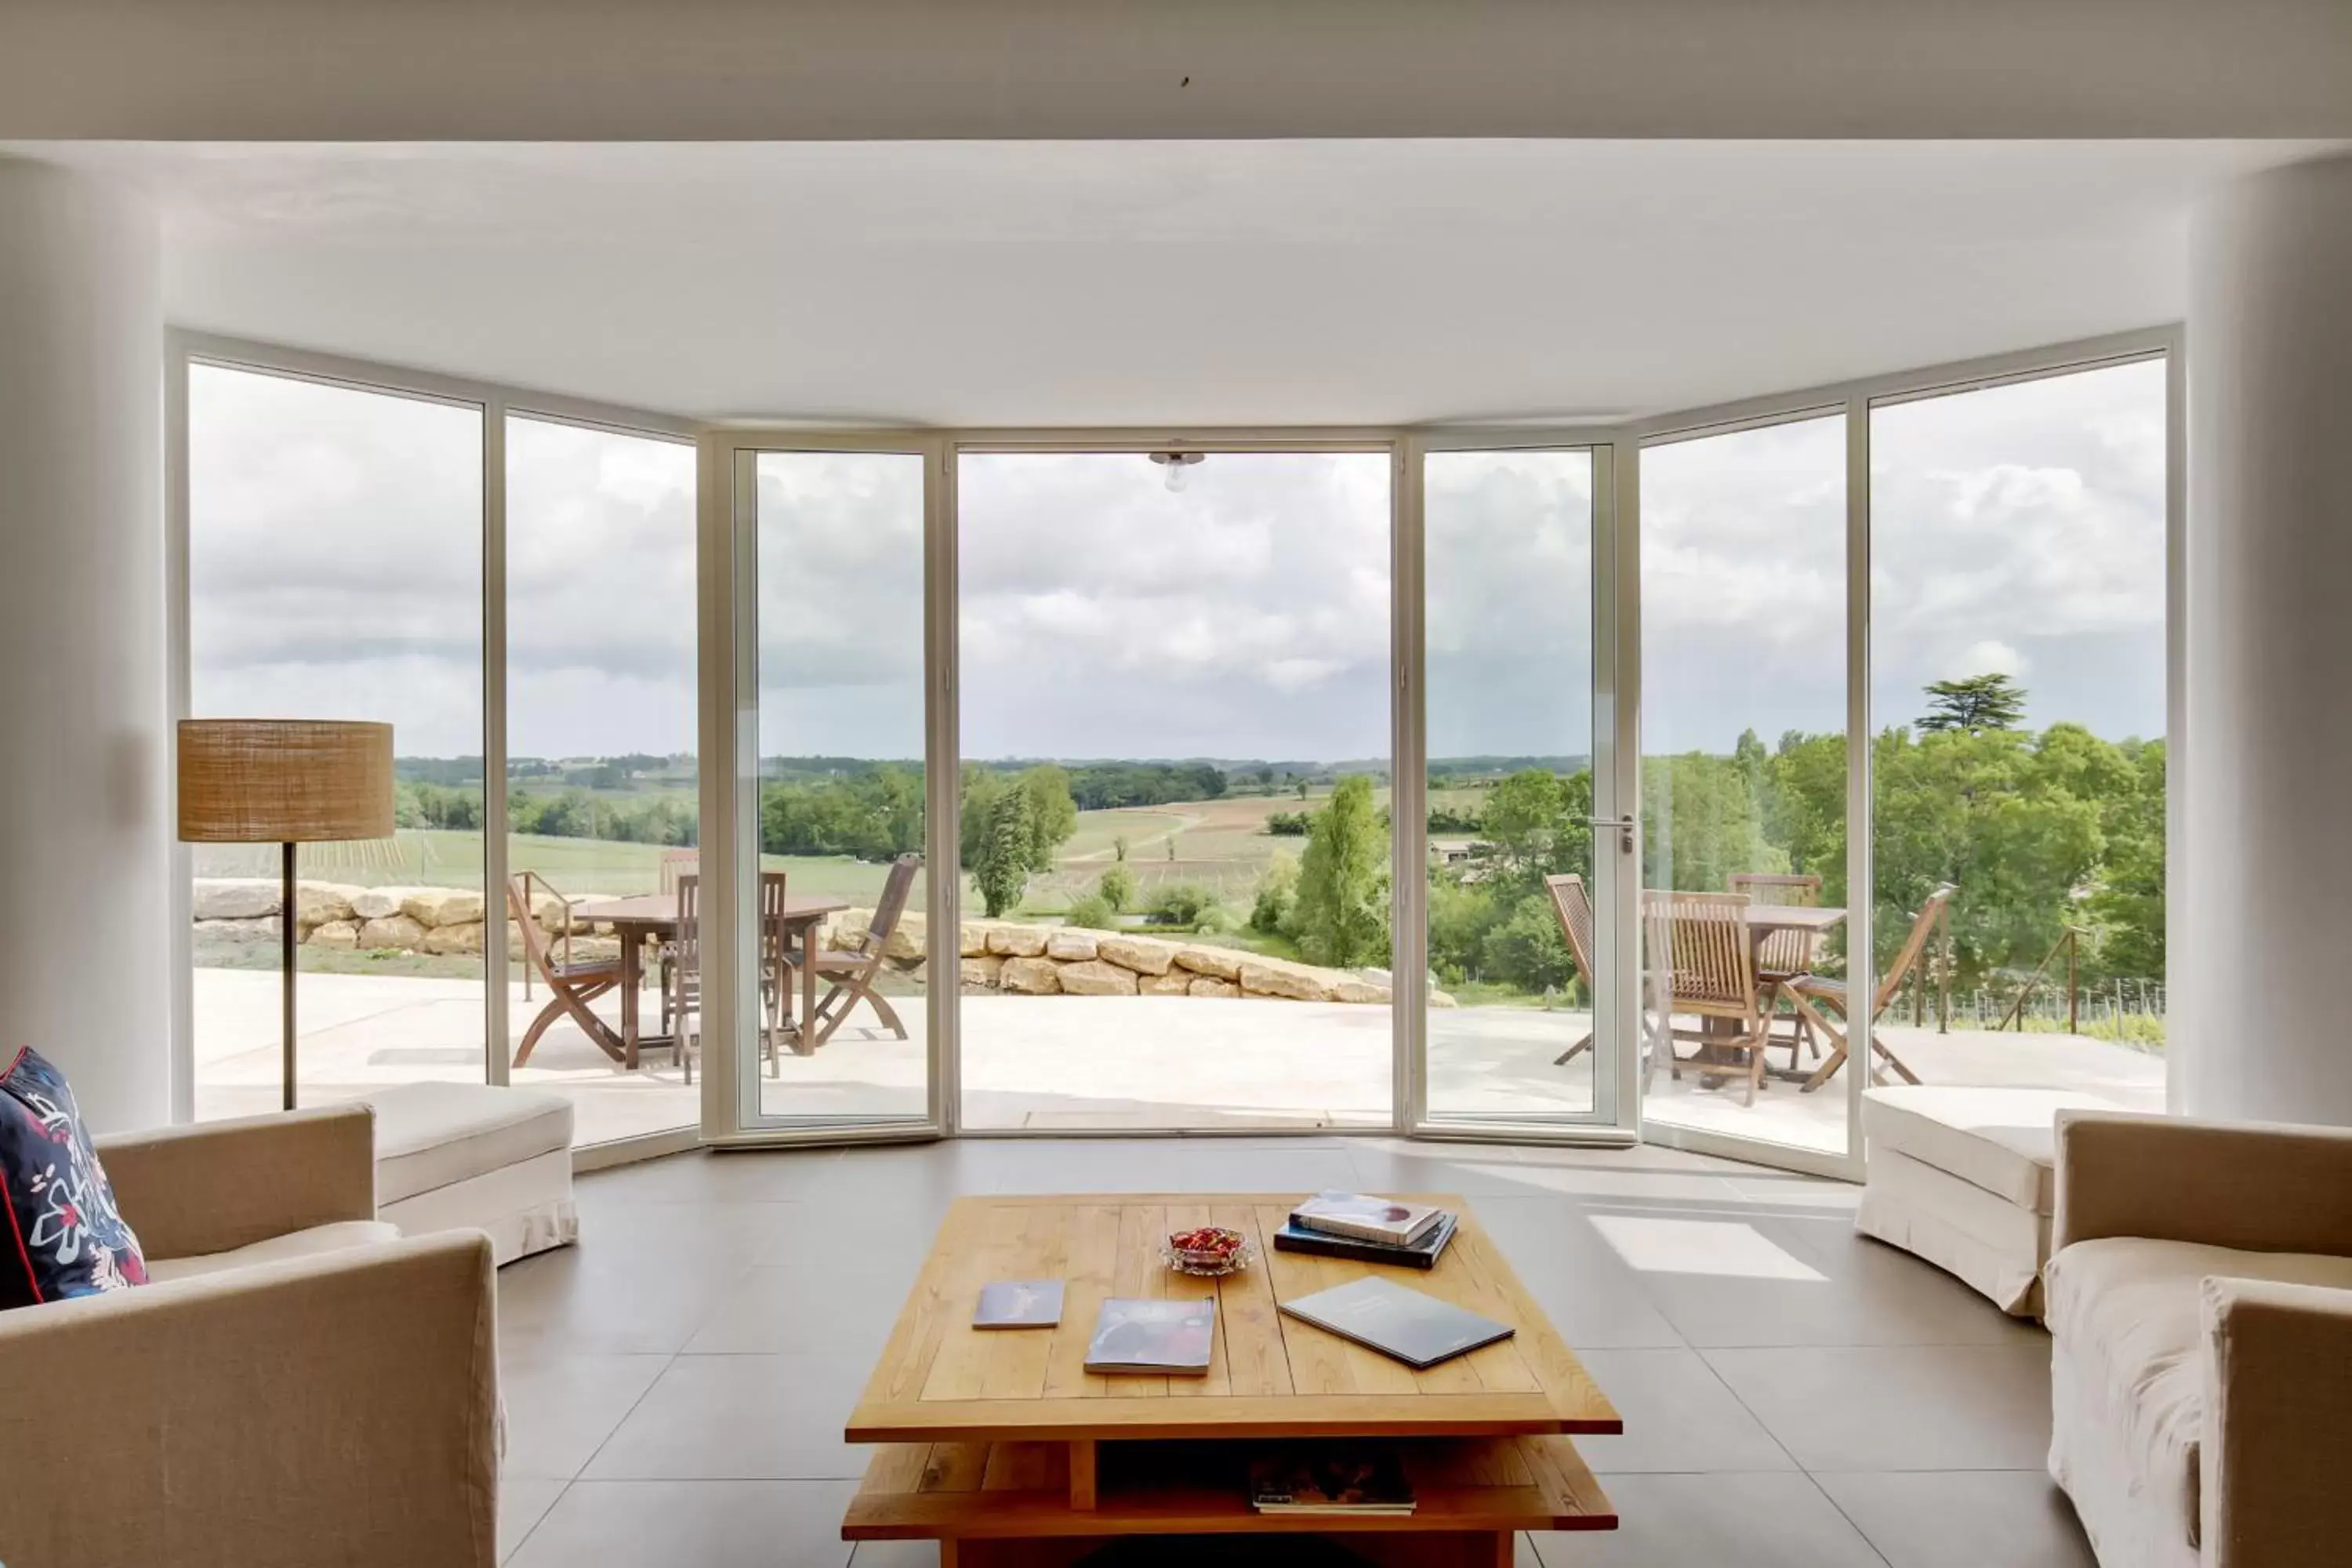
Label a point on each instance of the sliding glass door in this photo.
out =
(1174, 786)
(1522, 855)
(830, 968)
(1744, 780)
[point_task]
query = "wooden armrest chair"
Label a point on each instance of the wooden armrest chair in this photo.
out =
(1782, 955)
(1811, 993)
(572, 984)
(852, 974)
(1701, 949)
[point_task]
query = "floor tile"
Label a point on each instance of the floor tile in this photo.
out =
(739, 1418)
(710, 1524)
(560, 1406)
(845, 1311)
(766, 1175)
(1915, 1407)
(524, 1501)
(896, 1554)
(641, 1280)
(1715, 1521)
(1679, 1415)
(1824, 1286)
(2016, 1518)
(1587, 1290)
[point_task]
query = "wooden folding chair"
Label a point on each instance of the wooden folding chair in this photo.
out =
(1811, 993)
(682, 987)
(778, 975)
(1783, 956)
(1573, 910)
(675, 863)
(1702, 953)
(571, 986)
(852, 974)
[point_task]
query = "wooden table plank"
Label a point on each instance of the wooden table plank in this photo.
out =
(1246, 1320)
(1091, 1262)
(1138, 1275)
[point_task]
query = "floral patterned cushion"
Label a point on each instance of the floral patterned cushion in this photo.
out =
(63, 1237)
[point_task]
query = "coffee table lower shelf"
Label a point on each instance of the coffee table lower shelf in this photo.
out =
(990, 1504)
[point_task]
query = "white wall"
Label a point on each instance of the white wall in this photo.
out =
(84, 840)
(902, 69)
(2264, 945)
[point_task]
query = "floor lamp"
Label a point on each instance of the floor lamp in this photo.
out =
(284, 782)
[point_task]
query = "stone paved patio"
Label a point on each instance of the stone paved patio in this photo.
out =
(1062, 1063)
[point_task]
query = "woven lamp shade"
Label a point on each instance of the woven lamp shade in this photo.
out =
(284, 781)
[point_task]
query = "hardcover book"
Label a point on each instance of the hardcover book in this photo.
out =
(1153, 1337)
(1418, 1330)
(1349, 1479)
(1422, 1254)
(1366, 1219)
(1019, 1304)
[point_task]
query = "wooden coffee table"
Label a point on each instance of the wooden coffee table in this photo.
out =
(1001, 1447)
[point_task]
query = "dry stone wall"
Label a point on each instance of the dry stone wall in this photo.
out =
(992, 955)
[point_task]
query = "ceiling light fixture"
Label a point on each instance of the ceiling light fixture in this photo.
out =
(1176, 463)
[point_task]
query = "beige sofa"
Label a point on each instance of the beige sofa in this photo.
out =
(296, 1386)
(2199, 1303)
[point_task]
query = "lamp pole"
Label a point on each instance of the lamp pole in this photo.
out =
(288, 935)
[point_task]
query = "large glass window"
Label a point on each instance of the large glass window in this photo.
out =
(1175, 732)
(1744, 779)
(845, 950)
(335, 572)
(2018, 687)
(1508, 627)
(602, 802)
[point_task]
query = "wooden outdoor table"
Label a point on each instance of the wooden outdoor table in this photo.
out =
(652, 917)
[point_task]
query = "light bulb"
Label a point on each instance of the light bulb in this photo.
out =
(1176, 475)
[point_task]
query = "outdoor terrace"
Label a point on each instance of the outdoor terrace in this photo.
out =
(1063, 1063)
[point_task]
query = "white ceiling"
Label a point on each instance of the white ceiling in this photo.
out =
(1173, 283)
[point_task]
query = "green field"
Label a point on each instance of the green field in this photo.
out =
(1219, 844)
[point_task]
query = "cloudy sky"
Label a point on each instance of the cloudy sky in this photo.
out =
(335, 571)
(2018, 529)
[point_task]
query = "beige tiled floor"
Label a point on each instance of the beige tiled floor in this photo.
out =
(677, 1385)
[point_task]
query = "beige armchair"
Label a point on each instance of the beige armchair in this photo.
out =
(298, 1386)
(2198, 1297)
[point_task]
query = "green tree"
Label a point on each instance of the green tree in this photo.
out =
(1116, 887)
(1975, 704)
(1277, 887)
(1007, 847)
(1342, 910)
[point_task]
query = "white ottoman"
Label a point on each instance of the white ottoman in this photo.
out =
(452, 1156)
(1961, 1177)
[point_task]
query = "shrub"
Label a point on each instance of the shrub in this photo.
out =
(1270, 912)
(1527, 950)
(1286, 824)
(1093, 912)
(1116, 887)
(1181, 904)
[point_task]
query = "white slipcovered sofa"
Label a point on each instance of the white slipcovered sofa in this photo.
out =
(2199, 1304)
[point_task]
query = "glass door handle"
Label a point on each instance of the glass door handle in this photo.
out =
(1625, 825)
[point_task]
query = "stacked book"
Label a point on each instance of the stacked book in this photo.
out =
(1346, 1479)
(1367, 1229)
